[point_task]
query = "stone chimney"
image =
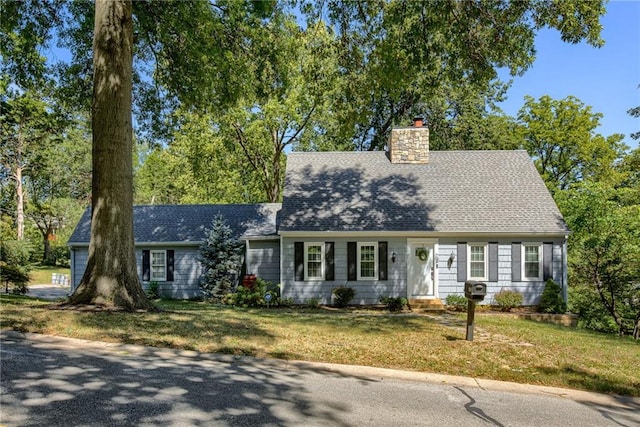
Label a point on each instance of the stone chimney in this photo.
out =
(410, 144)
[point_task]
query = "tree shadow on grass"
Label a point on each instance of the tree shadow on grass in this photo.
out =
(581, 379)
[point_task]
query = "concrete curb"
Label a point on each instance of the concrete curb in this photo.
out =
(365, 372)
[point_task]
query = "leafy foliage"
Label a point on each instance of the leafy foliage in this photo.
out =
(604, 249)
(551, 300)
(456, 302)
(16, 277)
(592, 314)
(343, 295)
(153, 290)
(15, 252)
(559, 135)
(507, 299)
(221, 258)
(254, 295)
(394, 303)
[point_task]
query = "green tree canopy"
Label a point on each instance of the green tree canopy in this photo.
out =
(560, 136)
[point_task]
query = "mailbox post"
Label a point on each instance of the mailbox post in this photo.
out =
(474, 291)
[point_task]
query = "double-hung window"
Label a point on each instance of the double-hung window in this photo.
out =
(532, 261)
(477, 261)
(367, 260)
(158, 265)
(314, 260)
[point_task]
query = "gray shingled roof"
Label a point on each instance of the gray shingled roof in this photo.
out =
(188, 223)
(457, 191)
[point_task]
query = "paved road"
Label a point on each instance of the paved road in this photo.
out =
(52, 381)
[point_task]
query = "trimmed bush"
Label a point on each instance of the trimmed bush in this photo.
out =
(394, 303)
(456, 302)
(254, 295)
(507, 299)
(343, 295)
(551, 300)
(313, 303)
(152, 291)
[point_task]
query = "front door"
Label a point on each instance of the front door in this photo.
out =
(421, 275)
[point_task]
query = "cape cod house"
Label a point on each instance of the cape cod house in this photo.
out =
(408, 222)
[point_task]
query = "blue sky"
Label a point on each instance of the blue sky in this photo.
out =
(607, 78)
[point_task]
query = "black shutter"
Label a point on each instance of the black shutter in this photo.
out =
(146, 265)
(329, 267)
(516, 256)
(352, 265)
(462, 262)
(493, 262)
(382, 260)
(298, 257)
(547, 257)
(170, 254)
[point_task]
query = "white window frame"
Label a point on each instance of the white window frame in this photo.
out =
(152, 276)
(359, 260)
(523, 261)
(306, 261)
(486, 261)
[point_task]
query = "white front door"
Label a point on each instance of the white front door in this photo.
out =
(421, 275)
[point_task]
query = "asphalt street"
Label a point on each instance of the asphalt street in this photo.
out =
(54, 381)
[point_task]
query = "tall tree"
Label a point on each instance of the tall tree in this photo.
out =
(111, 276)
(198, 166)
(60, 183)
(26, 130)
(396, 56)
(560, 136)
(294, 72)
(604, 249)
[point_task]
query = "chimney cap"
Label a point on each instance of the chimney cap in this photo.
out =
(418, 121)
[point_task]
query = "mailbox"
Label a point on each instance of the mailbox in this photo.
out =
(475, 291)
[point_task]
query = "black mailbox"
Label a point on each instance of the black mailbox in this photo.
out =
(475, 291)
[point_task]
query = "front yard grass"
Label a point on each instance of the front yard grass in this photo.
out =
(504, 348)
(41, 274)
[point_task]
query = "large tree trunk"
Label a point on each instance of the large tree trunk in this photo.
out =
(110, 277)
(20, 202)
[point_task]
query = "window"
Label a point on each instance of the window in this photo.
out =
(158, 265)
(532, 261)
(367, 260)
(314, 261)
(477, 261)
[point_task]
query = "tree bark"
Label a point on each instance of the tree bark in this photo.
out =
(20, 202)
(111, 277)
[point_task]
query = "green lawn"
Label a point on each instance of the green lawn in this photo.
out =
(41, 274)
(503, 348)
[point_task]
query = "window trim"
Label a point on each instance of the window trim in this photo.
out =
(523, 261)
(162, 278)
(306, 261)
(485, 247)
(359, 246)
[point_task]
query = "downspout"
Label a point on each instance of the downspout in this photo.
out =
(565, 272)
(72, 263)
(281, 268)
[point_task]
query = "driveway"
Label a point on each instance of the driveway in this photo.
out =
(56, 381)
(49, 292)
